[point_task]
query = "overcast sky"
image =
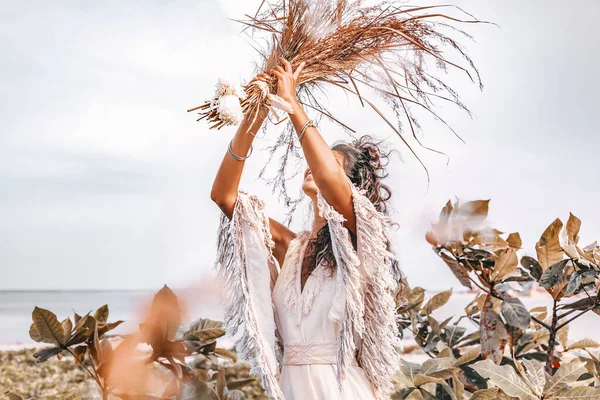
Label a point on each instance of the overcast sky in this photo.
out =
(105, 179)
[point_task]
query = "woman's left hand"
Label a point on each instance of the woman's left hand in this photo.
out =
(287, 79)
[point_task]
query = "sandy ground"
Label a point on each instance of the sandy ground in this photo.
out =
(56, 379)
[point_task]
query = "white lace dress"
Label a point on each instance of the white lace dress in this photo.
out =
(309, 336)
(308, 345)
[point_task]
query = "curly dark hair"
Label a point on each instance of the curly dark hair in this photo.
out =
(365, 165)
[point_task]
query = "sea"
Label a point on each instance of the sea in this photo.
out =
(16, 308)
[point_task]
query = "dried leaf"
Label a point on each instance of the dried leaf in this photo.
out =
(468, 356)
(415, 298)
(493, 333)
(505, 378)
(13, 396)
(514, 240)
(461, 273)
(206, 336)
(564, 377)
(475, 211)
(420, 379)
(583, 344)
(581, 393)
(433, 365)
(235, 395)
(235, 385)
(505, 265)
(101, 314)
(437, 301)
(548, 248)
(490, 394)
(535, 373)
(47, 325)
(563, 335)
(515, 313)
(225, 353)
(34, 334)
(67, 327)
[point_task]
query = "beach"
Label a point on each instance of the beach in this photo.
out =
(55, 378)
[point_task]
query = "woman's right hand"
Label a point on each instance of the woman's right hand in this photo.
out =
(263, 112)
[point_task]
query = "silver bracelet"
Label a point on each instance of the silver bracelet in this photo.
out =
(235, 156)
(307, 125)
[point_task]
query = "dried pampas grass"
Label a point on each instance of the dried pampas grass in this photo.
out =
(399, 52)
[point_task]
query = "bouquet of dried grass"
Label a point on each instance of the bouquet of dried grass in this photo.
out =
(384, 47)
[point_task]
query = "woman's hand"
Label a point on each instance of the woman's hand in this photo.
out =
(287, 79)
(263, 111)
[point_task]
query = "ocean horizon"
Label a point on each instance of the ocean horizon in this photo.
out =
(16, 307)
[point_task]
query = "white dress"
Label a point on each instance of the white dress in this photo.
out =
(307, 345)
(310, 371)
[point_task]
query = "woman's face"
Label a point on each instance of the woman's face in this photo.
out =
(309, 187)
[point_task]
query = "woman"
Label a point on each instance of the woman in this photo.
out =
(323, 325)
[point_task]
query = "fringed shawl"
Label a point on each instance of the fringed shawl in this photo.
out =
(244, 264)
(363, 302)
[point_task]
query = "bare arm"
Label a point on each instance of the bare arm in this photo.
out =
(226, 184)
(329, 177)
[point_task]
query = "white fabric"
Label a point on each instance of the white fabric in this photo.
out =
(353, 308)
(317, 380)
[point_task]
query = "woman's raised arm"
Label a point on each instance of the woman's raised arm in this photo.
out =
(324, 167)
(225, 187)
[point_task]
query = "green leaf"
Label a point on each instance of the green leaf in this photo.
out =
(515, 313)
(505, 378)
(574, 283)
(45, 354)
(564, 377)
(101, 315)
(437, 301)
(580, 392)
(554, 274)
(454, 333)
(47, 325)
(533, 266)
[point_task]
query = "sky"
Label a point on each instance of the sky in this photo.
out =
(105, 178)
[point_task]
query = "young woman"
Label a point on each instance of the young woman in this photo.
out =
(313, 312)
